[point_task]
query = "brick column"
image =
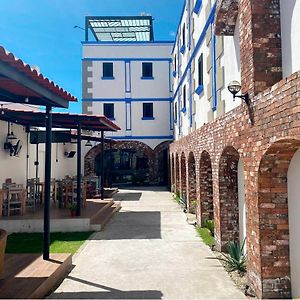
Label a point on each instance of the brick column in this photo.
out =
(260, 44)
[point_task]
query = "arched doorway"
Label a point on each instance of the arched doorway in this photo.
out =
(279, 209)
(183, 191)
(206, 208)
(228, 196)
(192, 196)
(177, 177)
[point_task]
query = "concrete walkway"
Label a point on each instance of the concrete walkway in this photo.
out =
(148, 251)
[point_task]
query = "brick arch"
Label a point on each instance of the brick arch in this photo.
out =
(177, 176)
(228, 197)
(89, 159)
(161, 154)
(192, 195)
(183, 187)
(206, 208)
(273, 217)
(173, 177)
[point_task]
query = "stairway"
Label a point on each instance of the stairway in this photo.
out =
(104, 215)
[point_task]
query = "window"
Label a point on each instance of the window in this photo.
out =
(175, 63)
(147, 111)
(108, 109)
(183, 34)
(147, 70)
(200, 70)
(175, 112)
(108, 70)
(199, 89)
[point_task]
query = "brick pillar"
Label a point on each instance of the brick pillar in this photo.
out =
(260, 44)
(183, 191)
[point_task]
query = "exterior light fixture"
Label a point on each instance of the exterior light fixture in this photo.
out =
(234, 87)
(88, 144)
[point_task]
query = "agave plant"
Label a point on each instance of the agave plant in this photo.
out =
(236, 259)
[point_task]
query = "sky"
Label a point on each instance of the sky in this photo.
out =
(42, 33)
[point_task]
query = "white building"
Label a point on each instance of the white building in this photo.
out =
(127, 77)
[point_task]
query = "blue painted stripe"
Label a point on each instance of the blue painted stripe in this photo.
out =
(127, 99)
(126, 59)
(109, 43)
(197, 7)
(150, 137)
(209, 21)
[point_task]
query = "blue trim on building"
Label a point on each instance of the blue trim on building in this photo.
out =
(198, 6)
(174, 73)
(199, 89)
(147, 78)
(148, 118)
(109, 43)
(183, 110)
(209, 21)
(214, 70)
(126, 59)
(150, 137)
(108, 78)
(182, 49)
(179, 24)
(126, 99)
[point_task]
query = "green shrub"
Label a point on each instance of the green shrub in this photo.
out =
(206, 236)
(209, 224)
(235, 258)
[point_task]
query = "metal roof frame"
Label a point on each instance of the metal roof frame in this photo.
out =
(120, 28)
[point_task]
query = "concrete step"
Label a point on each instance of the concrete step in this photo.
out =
(108, 204)
(103, 218)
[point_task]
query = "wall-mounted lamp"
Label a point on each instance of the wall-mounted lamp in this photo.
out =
(234, 87)
(88, 144)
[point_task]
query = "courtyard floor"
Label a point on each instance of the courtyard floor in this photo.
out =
(148, 251)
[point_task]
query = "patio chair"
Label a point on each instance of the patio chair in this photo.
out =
(16, 199)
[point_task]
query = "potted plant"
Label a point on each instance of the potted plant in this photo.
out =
(72, 208)
(3, 238)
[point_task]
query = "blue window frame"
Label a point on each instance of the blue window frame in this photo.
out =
(197, 7)
(148, 111)
(109, 110)
(175, 112)
(182, 49)
(108, 70)
(199, 89)
(147, 70)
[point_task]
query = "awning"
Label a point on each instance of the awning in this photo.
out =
(59, 120)
(20, 83)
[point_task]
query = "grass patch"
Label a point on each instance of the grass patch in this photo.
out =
(60, 242)
(206, 236)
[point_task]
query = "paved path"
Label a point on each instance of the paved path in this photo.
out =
(148, 251)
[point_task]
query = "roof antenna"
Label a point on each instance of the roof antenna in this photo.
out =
(78, 27)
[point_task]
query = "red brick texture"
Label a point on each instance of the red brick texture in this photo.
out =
(266, 147)
(260, 44)
(192, 195)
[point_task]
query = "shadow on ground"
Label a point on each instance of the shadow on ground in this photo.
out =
(106, 292)
(133, 225)
(127, 196)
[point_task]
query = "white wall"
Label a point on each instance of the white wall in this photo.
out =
(127, 59)
(242, 204)
(290, 28)
(231, 63)
(294, 228)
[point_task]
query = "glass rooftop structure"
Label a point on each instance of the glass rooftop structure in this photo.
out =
(120, 29)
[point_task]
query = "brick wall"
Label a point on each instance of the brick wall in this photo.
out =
(270, 141)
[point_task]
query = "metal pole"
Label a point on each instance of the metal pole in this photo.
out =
(47, 183)
(102, 165)
(78, 208)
